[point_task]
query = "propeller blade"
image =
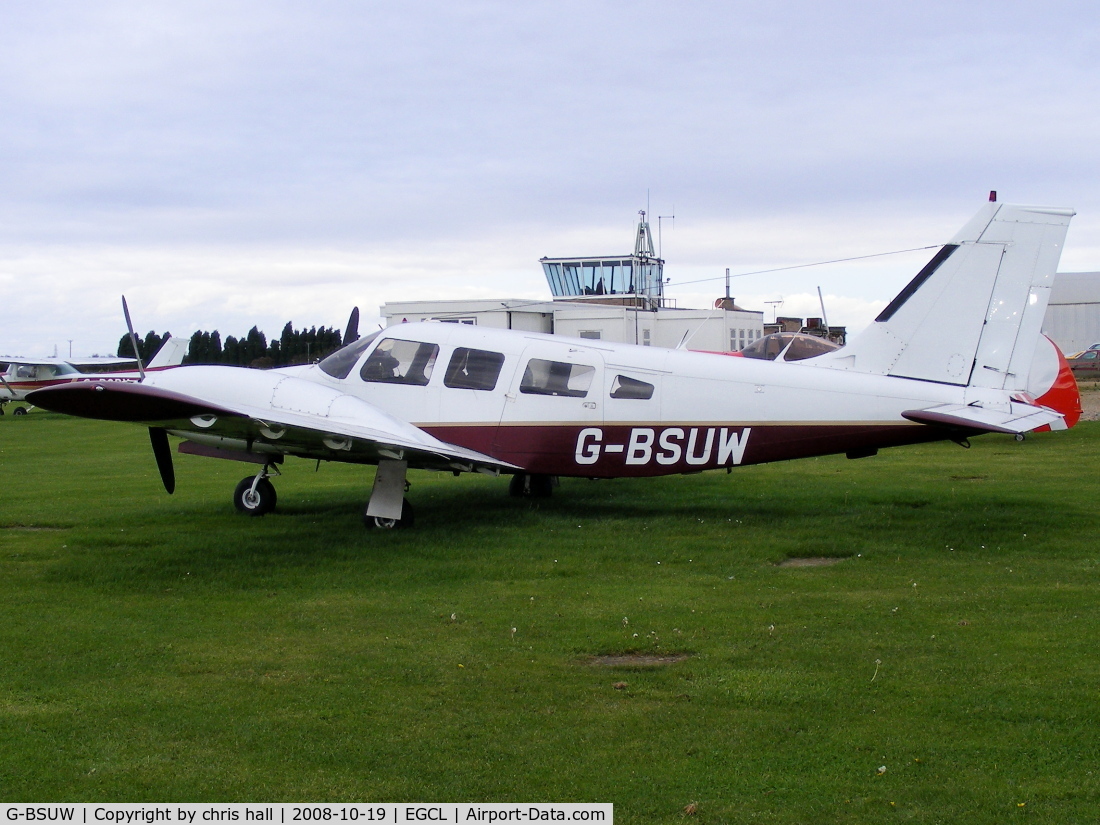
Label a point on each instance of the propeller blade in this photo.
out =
(158, 437)
(133, 341)
(351, 334)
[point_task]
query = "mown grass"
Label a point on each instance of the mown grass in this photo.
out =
(166, 648)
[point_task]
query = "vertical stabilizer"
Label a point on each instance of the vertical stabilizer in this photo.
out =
(170, 354)
(972, 316)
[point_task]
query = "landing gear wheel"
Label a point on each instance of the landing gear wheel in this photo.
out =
(19, 411)
(534, 485)
(255, 503)
(406, 519)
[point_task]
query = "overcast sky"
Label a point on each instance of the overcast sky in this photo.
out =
(228, 163)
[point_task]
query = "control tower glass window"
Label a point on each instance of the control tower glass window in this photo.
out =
(604, 276)
(593, 278)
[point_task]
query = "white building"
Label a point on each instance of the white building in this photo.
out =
(616, 298)
(717, 329)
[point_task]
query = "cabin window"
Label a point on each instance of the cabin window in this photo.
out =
(400, 362)
(623, 387)
(556, 378)
(473, 369)
(339, 364)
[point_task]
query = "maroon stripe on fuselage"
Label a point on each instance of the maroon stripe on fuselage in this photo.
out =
(31, 386)
(609, 451)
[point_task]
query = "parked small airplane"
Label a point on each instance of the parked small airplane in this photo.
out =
(25, 375)
(957, 353)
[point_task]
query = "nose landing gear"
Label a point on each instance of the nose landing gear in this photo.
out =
(255, 495)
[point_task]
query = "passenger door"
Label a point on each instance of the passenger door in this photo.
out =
(556, 392)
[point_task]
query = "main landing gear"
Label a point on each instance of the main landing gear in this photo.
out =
(531, 485)
(256, 495)
(388, 508)
(380, 523)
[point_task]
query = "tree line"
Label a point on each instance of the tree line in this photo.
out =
(293, 346)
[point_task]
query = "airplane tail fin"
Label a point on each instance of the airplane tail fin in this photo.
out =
(170, 354)
(972, 316)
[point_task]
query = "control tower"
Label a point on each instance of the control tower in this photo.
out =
(635, 280)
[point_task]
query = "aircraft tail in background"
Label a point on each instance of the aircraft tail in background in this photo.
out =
(170, 354)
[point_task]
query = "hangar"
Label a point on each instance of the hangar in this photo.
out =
(1073, 312)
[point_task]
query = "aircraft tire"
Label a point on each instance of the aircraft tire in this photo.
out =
(19, 411)
(261, 503)
(406, 520)
(516, 485)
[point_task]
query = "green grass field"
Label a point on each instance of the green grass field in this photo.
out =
(944, 670)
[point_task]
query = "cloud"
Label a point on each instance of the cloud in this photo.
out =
(243, 157)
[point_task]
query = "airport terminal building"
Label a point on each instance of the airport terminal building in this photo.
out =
(616, 298)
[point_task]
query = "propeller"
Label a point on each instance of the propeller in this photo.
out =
(352, 332)
(133, 338)
(158, 436)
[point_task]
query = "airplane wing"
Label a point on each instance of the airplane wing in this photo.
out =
(105, 361)
(1019, 418)
(326, 424)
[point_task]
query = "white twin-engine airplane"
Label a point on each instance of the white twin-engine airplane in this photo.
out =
(957, 353)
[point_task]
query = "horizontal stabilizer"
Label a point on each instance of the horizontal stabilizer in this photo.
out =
(1019, 418)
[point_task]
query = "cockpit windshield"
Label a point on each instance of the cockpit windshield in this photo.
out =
(339, 364)
(798, 346)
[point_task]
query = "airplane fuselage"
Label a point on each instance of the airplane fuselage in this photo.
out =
(571, 407)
